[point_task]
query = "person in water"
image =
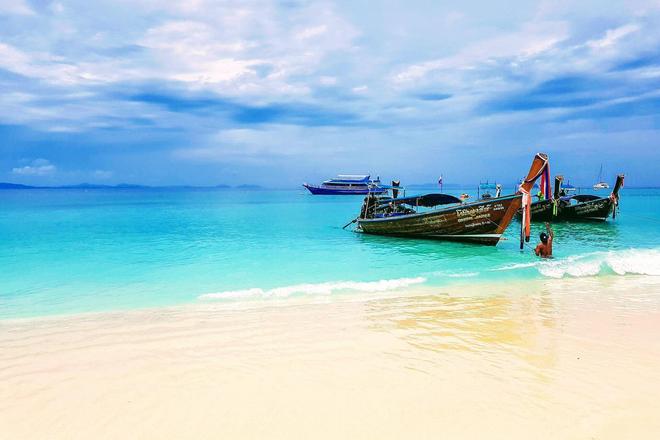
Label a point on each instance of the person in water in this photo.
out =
(544, 248)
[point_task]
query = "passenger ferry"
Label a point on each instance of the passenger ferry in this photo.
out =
(345, 184)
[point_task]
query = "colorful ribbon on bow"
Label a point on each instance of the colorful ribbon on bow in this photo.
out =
(526, 215)
(545, 183)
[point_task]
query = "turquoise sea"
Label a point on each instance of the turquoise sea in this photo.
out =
(67, 251)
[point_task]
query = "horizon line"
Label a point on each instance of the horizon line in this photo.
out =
(84, 185)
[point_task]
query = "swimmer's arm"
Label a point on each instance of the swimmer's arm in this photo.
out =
(551, 234)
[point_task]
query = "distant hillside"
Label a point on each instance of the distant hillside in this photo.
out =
(6, 185)
(97, 186)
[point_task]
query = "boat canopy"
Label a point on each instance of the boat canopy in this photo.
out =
(426, 200)
(487, 185)
(585, 198)
(351, 178)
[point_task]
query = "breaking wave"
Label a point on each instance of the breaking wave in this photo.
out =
(620, 262)
(316, 289)
(623, 262)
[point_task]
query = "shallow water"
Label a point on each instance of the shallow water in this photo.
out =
(543, 359)
(70, 251)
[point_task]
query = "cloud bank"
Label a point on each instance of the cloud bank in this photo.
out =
(277, 92)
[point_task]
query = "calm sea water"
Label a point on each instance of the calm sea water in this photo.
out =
(70, 251)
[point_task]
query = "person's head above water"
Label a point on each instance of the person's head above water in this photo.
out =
(544, 249)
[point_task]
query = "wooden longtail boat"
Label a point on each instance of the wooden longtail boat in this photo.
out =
(482, 221)
(582, 207)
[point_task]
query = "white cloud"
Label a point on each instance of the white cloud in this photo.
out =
(328, 80)
(227, 47)
(247, 51)
(17, 7)
(38, 167)
(311, 32)
(530, 40)
(55, 69)
(613, 35)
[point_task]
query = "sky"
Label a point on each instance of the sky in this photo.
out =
(204, 92)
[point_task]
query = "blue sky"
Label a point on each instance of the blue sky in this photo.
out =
(279, 92)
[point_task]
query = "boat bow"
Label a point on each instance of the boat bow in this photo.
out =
(539, 167)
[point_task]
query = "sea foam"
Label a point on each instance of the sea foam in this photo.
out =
(624, 262)
(620, 262)
(316, 289)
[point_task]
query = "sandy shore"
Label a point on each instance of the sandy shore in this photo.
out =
(564, 359)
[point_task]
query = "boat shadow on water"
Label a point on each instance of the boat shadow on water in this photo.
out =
(602, 234)
(424, 247)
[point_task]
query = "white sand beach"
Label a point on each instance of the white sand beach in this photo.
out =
(560, 359)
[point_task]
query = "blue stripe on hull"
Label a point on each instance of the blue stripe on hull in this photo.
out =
(316, 190)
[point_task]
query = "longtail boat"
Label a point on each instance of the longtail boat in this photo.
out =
(482, 221)
(581, 207)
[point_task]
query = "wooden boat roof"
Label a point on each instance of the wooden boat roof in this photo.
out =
(426, 200)
(585, 197)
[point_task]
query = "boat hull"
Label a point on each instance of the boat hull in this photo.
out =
(593, 210)
(481, 222)
(321, 191)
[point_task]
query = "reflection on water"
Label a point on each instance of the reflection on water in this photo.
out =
(415, 246)
(504, 330)
(432, 255)
(605, 234)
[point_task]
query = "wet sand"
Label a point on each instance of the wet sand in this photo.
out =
(561, 359)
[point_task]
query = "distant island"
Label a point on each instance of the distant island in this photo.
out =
(4, 185)
(8, 185)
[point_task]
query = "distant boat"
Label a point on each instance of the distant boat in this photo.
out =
(601, 184)
(345, 184)
(484, 191)
(568, 188)
(482, 221)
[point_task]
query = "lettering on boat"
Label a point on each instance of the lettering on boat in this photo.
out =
(476, 217)
(476, 224)
(590, 207)
(476, 213)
